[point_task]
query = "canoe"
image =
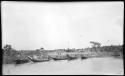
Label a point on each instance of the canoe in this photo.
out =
(35, 60)
(71, 57)
(83, 57)
(59, 59)
(38, 60)
(19, 61)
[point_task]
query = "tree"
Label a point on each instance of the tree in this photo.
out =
(9, 54)
(9, 51)
(7, 47)
(95, 44)
(41, 48)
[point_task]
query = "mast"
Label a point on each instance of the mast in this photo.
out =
(68, 44)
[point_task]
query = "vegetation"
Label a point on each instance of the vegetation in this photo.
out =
(9, 54)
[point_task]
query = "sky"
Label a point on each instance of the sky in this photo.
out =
(32, 25)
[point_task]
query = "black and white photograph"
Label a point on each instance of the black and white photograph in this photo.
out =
(62, 38)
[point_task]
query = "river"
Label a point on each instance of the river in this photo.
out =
(91, 66)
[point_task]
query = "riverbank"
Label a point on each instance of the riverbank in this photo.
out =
(11, 56)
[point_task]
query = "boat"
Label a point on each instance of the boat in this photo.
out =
(83, 57)
(21, 61)
(38, 60)
(71, 57)
(59, 59)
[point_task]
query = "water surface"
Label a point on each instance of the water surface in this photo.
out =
(80, 67)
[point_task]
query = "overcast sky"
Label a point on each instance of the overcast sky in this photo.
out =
(31, 25)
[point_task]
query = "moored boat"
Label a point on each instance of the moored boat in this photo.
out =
(19, 61)
(38, 60)
(83, 57)
(71, 57)
(59, 59)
